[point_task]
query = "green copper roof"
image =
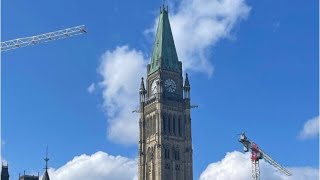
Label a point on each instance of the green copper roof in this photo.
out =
(164, 53)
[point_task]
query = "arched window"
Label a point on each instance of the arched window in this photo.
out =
(148, 154)
(166, 153)
(151, 154)
(164, 123)
(149, 125)
(174, 124)
(173, 153)
(155, 124)
(152, 125)
(169, 124)
(176, 154)
(146, 127)
(179, 126)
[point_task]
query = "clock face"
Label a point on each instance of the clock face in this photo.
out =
(154, 87)
(170, 85)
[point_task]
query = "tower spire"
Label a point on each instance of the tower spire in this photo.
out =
(186, 82)
(164, 55)
(46, 159)
(142, 88)
(142, 91)
(186, 88)
(46, 174)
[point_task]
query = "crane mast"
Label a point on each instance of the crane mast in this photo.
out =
(257, 154)
(27, 41)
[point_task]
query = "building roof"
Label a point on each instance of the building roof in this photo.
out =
(164, 53)
(28, 177)
(46, 176)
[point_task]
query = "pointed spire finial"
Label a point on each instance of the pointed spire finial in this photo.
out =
(142, 85)
(163, 7)
(46, 174)
(46, 159)
(186, 82)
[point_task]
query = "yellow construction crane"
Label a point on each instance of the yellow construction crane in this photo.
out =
(32, 40)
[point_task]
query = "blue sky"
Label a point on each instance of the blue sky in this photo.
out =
(264, 80)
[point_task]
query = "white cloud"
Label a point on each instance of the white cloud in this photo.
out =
(91, 88)
(4, 161)
(99, 166)
(200, 24)
(236, 165)
(121, 70)
(310, 129)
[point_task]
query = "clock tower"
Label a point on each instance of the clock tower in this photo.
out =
(165, 141)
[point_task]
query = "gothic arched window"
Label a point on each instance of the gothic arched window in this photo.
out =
(148, 154)
(146, 127)
(173, 153)
(176, 154)
(164, 122)
(152, 125)
(179, 126)
(151, 154)
(149, 125)
(174, 124)
(166, 153)
(169, 124)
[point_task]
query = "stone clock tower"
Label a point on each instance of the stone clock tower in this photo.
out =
(165, 144)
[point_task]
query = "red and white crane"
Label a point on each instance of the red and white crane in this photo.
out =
(256, 155)
(27, 41)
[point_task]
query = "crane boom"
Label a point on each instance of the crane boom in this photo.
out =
(27, 41)
(269, 160)
(257, 154)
